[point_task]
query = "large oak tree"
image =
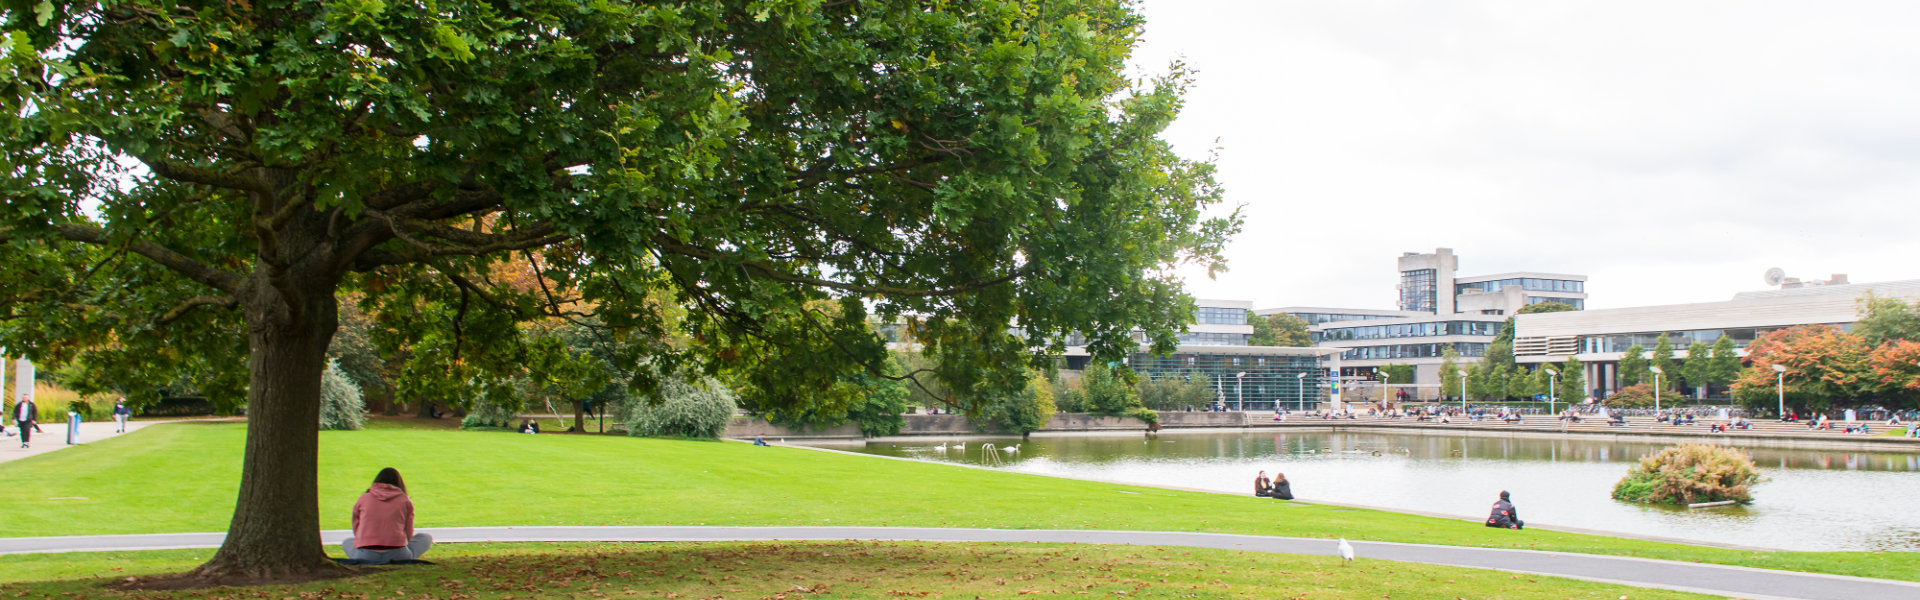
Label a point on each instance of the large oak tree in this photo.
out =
(192, 184)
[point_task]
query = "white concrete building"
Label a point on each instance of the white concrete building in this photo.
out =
(1599, 338)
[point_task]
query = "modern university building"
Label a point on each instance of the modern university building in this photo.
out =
(1599, 338)
(1244, 377)
(1436, 308)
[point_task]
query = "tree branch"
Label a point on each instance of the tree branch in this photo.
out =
(192, 303)
(668, 244)
(166, 257)
(195, 175)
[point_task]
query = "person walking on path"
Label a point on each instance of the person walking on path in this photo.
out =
(120, 415)
(1504, 515)
(26, 416)
(383, 524)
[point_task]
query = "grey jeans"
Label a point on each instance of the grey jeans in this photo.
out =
(416, 546)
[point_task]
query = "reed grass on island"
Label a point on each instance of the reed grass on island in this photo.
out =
(183, 478)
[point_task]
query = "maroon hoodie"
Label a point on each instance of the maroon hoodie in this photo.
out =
(382, 519)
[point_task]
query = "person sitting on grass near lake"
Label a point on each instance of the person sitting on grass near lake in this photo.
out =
(1260, 486)
(383, 524)
(1504, 515)
(1281, 489)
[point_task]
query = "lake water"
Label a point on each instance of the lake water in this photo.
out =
(1809, 499)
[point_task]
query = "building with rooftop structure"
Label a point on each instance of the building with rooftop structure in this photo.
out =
(1435, 308)
(1600, 338)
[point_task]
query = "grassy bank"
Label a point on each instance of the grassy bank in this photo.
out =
(841, 570)
(182, 477)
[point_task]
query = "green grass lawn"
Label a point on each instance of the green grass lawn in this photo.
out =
(796, 570)
(182, 478)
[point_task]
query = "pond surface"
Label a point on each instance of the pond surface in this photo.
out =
(1808, 500)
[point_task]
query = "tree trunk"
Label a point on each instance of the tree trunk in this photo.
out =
(579, 416)
(275, 531)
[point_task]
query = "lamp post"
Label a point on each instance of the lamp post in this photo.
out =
(1386, 386)
(1239, 392)
(1552, 380)
(1780, 388)
(1300, 392)
(1463, 389)
(1656, 390)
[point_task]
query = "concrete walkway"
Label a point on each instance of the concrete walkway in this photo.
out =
(1741, 582)
(53, 436)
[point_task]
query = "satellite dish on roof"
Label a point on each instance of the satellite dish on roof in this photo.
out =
(1776, 275)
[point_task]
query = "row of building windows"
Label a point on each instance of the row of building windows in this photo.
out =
(1576, 303)
(1528, 283)
(1417, 290)
(1214, 315)
(1213, 339)
(1470, 349)
(1620, 342)
(1318, 318)
(1406, 330)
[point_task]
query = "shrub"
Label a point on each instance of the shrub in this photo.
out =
(1023, 412)
(684, 408)
(1690, 473)
(81, 406)
(1144, 414)
(487, 414)
(340, 404)
(1633, 396)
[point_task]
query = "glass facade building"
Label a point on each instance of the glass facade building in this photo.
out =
(1620, 342)
(1398, 351)
(1576, 303)
(1408, 330)
(1215, 315)
(1417, 290)
(1271, 380)
(1533, 284)
(1317, 318)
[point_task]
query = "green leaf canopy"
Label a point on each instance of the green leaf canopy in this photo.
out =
(194, 182)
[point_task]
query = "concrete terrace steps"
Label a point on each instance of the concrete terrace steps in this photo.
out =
(1635, 426)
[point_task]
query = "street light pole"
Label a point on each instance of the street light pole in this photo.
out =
(1386, 386)
(1780, 387)
(1656, 390)
(1463, 389)
(1552, 380)
(1239, 392)
(1300, 392)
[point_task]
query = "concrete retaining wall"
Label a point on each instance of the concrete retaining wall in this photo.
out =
(747, 427)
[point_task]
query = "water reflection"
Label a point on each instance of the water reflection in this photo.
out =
(1810, 499)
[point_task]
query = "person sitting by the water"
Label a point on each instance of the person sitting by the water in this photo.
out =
(1281, 490)
(1503, 515)
(759, 440)
(1261, 487)
(383, 524)
(1618, 419)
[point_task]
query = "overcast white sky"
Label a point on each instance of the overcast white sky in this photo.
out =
(1672, 151)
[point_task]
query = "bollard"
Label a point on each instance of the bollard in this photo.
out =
(73, 428)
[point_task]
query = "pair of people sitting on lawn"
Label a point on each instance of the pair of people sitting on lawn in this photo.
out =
(1277, 488)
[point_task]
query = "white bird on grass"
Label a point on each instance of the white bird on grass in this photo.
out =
(1346, 550)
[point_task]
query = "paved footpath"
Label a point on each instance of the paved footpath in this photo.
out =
(1740, 582)
(53, 436)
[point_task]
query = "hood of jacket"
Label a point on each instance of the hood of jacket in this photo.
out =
(384, 492)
